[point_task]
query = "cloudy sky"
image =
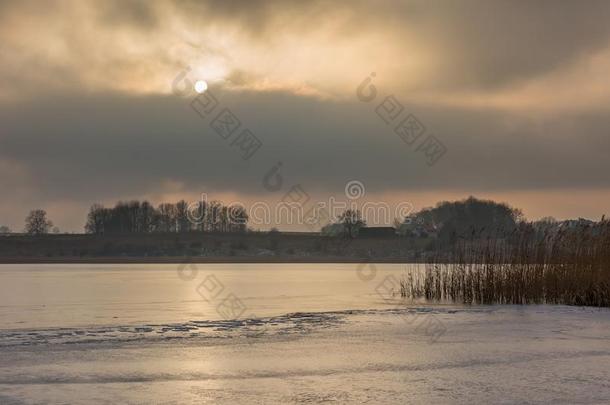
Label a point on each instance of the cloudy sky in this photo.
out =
(93, 106)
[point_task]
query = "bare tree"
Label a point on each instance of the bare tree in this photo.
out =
(214, 216)
(36, 223)
(166, 218)
(96, 219)
(146, 218)
(182, 219)
(4, 229)
(352, 222)
(198, 216)
(237, 218)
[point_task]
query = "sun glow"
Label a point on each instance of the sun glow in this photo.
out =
(201, 86)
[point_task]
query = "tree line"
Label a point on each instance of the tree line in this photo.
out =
(142, 217)
(449, 221)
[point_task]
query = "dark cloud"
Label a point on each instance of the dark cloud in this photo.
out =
(495, 42)
(95, 147)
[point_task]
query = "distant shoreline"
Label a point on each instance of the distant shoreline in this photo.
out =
(207, 248)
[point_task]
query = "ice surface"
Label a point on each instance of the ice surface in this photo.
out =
(384, 354)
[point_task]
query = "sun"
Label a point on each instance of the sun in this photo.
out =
(201, 86)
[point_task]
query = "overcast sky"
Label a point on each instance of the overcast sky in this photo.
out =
(516, 91)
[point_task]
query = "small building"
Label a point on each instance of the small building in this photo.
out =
(377, 232)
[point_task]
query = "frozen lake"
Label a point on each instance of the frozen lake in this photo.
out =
(306, 333)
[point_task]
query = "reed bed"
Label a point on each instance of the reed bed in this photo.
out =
(526, 266)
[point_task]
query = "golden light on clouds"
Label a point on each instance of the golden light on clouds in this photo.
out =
(518, 92)
(321, 51)
(84, 51)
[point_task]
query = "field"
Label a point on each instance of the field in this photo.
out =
(206, 247)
